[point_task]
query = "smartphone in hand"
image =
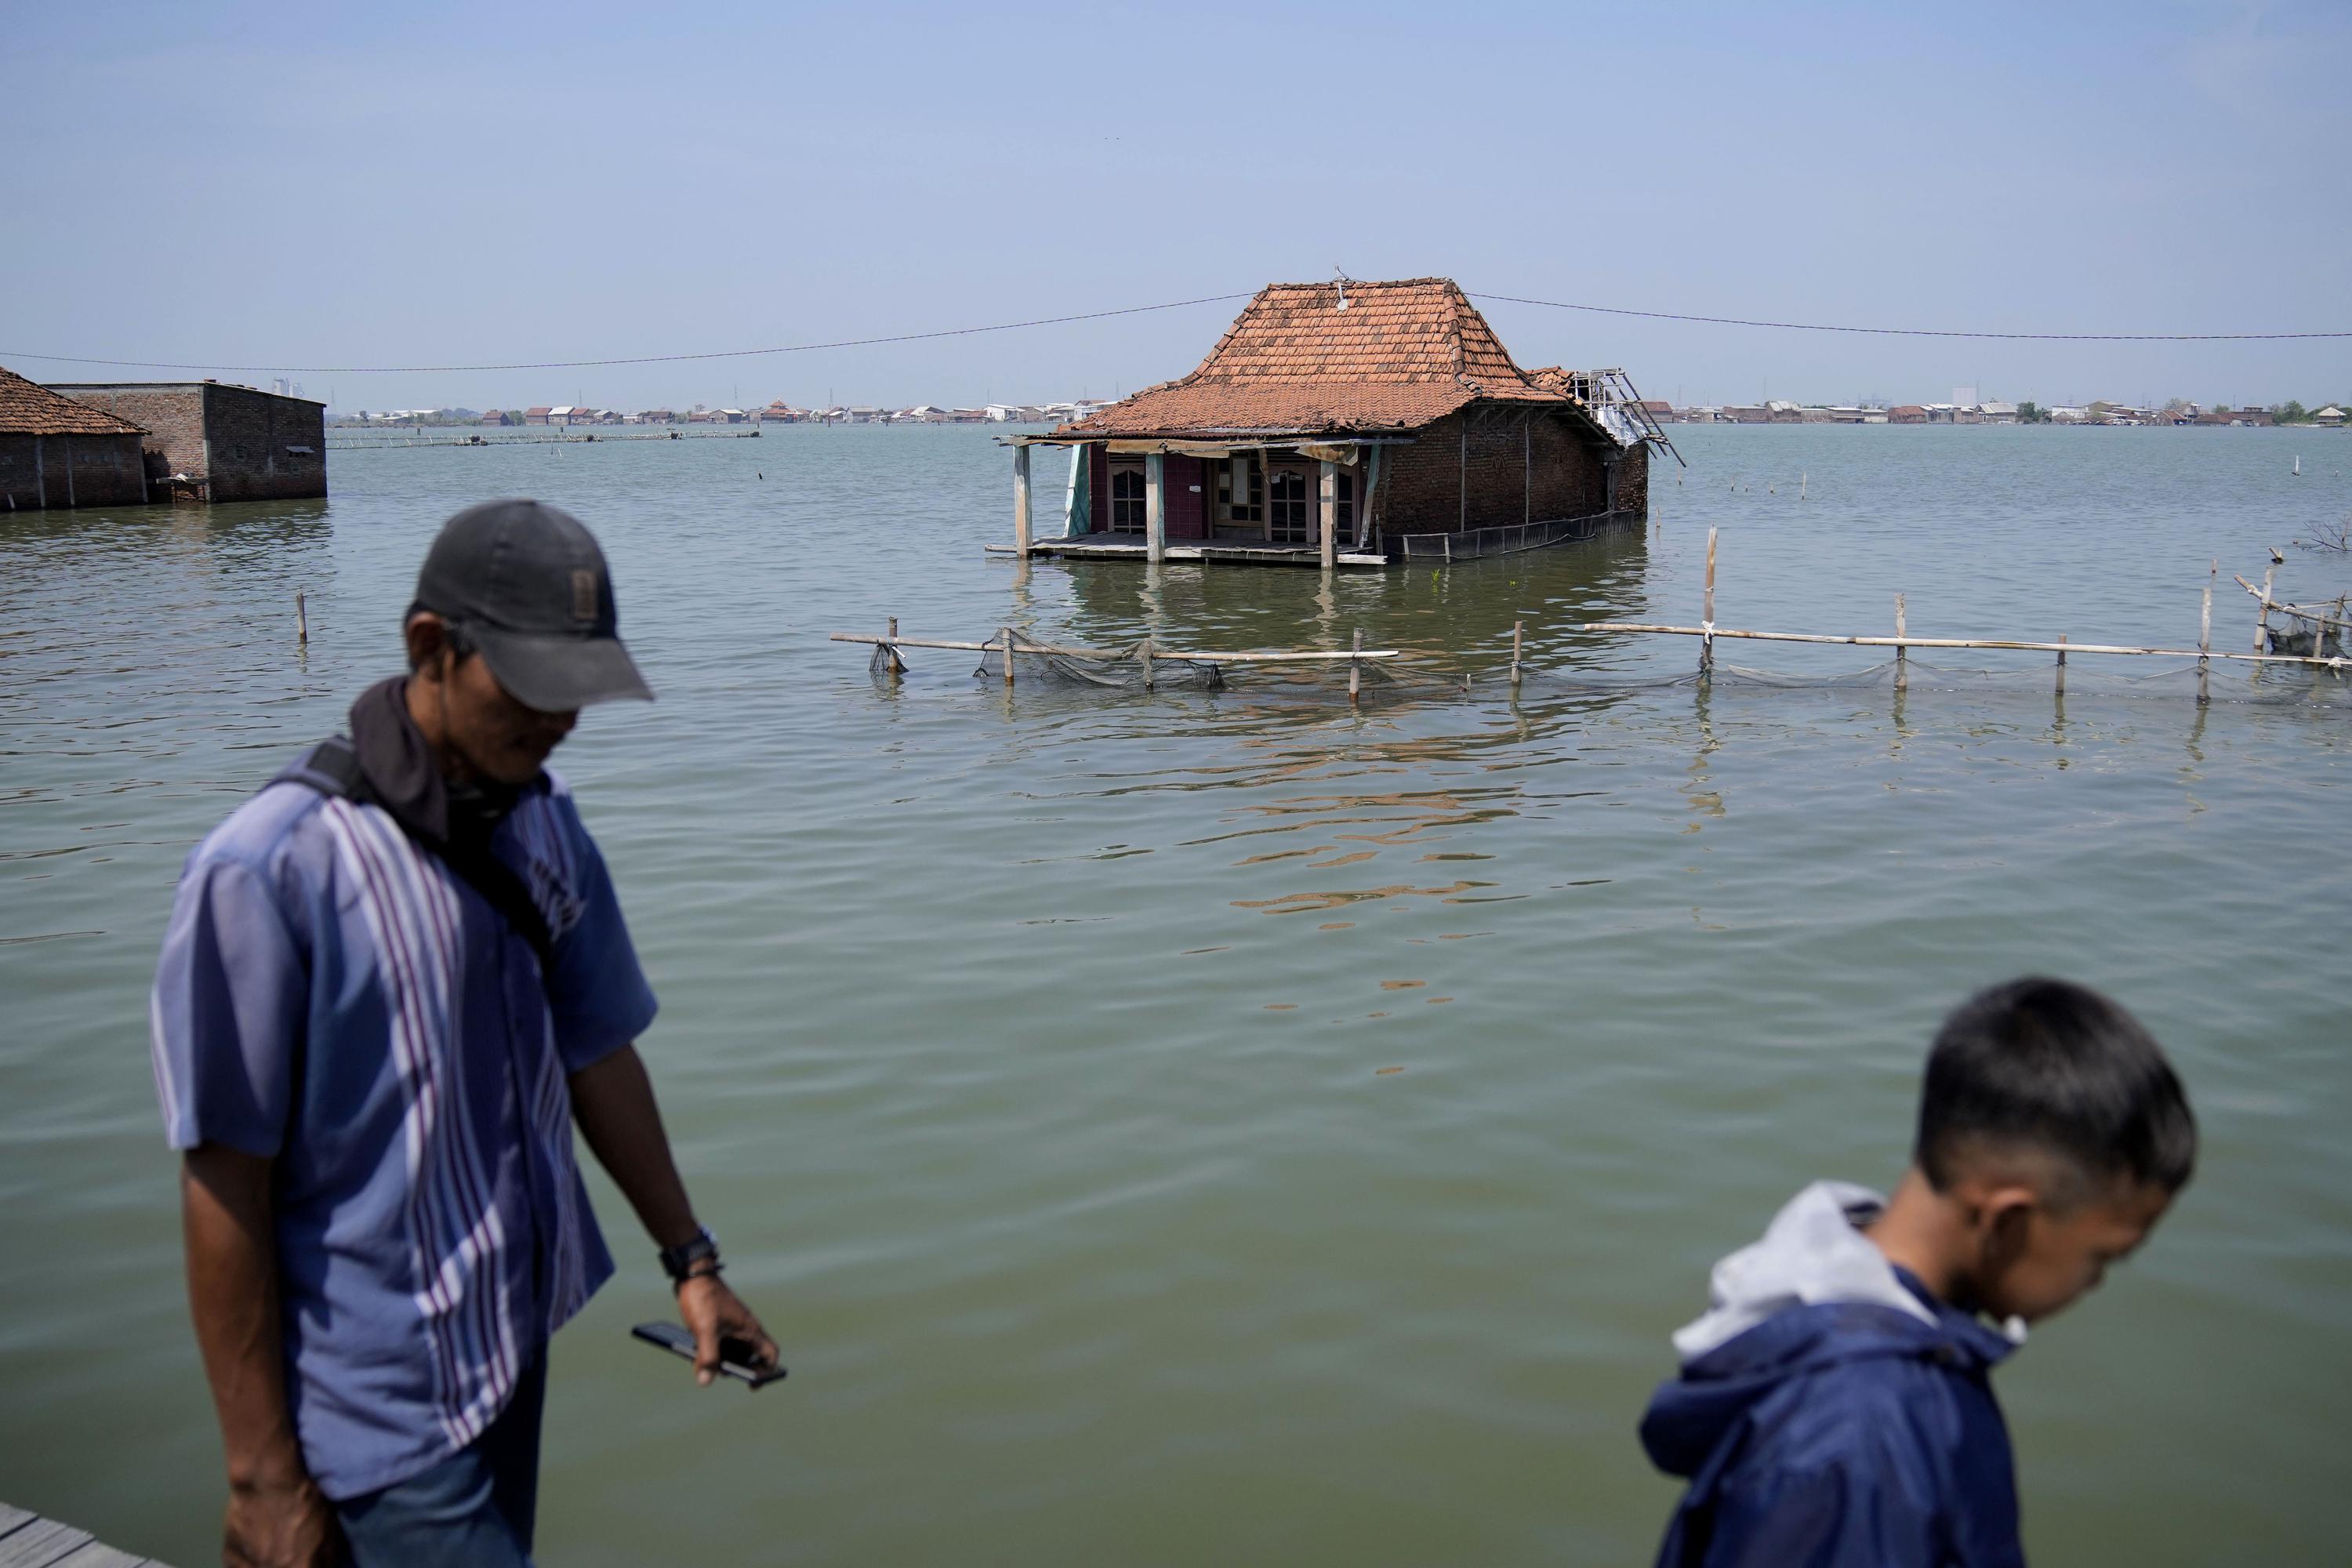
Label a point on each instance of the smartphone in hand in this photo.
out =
(737, 1358)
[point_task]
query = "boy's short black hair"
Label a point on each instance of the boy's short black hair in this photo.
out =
(2050, 1065)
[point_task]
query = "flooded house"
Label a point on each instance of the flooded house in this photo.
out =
(1351, 424)
(216, 441)
(57, 452)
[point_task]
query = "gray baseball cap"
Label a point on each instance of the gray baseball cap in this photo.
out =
(528, 585)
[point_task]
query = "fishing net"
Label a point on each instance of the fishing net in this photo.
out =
(1918, 679)
(1118, 670)
(1438, 677)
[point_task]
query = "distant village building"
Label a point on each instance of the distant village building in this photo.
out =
(2330, 417)
(536, 416)
(214, 441)
(494, 416)
(55, 451)
(1998, 412)
(2236, 417)
(1361, 423)
(657, 416)
(1907, 414)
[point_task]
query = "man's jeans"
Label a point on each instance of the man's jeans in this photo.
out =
(473, 1510)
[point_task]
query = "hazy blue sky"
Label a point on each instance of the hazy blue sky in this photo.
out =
(292, 185)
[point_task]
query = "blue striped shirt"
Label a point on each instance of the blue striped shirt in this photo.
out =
(334, 997)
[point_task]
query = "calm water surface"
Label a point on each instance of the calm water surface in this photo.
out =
(1224, 1127)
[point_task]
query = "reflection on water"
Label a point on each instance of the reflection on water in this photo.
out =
(1235, 1120)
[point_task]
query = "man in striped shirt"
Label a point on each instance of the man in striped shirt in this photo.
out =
(394, 981)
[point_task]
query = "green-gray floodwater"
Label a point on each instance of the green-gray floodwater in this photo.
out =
(1223, 1127)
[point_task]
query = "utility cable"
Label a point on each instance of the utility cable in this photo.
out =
(1170, 305)
(641, 358)
(1924, 332)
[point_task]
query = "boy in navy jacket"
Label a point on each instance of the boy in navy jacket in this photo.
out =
(1834, 1408)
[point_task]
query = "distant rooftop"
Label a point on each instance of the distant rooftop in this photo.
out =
(1304, 358)
(29, 409)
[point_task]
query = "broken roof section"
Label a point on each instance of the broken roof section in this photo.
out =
(1345, 357)
(27, 409)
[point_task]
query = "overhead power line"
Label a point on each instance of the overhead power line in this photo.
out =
(1924, 332)
(1170, 305)
(639, 359)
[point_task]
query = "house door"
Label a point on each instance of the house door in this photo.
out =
(1127, 501)
(1289, 512)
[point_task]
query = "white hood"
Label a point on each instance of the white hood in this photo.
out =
(1812, 1252)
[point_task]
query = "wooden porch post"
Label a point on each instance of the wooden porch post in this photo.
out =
(1155, 508)
(1021, 501)
(1327, 516)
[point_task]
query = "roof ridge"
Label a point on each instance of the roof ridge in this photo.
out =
(28, 408)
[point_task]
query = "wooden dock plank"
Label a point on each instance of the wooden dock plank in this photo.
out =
(99, 1555)
(29, 1540)
(40, 1543)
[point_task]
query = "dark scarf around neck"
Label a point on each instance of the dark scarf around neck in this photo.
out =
(405, 778)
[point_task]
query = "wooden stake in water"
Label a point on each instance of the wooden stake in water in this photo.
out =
(1004, 640)
(2263, 616)
(1356, 669)
(1517, 627)
(1143, 652)
(1801, 484)
(2062, 666)
(301, 620)
(2205, 638)
(895, 664)
(1021, 518)
(1706, 616)
(1902, 654)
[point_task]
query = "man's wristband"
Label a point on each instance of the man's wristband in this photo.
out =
(696, 1256)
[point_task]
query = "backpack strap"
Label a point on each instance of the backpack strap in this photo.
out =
(332, 768)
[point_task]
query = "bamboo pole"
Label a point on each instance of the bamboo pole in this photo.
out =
(1660, 631)
(1517, 627)
(2062, 664)
(1706, 614)
(1143, 654)
(1021, 501)
(1356, 669)
(1326, 517)
(1155, 508)
(2335, 620)
(1902, 654)
(301, 620)
(1004, 641)
(1314, 655)
(2262, 614)
(896, 665)
(2205, 638)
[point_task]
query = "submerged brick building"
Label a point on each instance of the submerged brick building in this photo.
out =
(56, 452)
(1354, 424)
(214, 441)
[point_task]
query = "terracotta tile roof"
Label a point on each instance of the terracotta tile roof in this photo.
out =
(1294, 362)
(27, 409)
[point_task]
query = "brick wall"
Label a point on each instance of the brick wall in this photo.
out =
(238, 444)
(70, 470)
(1511, 468)
(254, 436)
(1634, 481)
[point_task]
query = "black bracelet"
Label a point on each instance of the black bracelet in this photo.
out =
(677, 1262)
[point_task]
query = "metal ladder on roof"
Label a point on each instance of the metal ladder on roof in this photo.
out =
(1611, 391)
